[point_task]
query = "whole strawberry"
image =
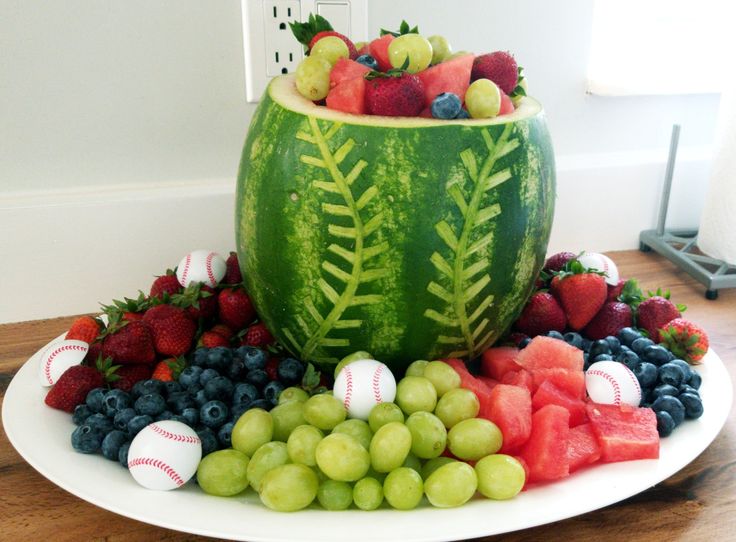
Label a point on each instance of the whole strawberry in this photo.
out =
(397, 94)
(73, 386)
(500, 67)
(232, 272)
(615, 291)
(165, 286)
(127, 375)
(84, 328)
(168, 370)
(315, 28)
(257, 335)
(655, 312)
(580, 292)
(685, 340)
(171, 328)
(542, 313)
(557, 261)
(613, 317)
(235, 308)
(129, 342)
(211, 339)
(199, 300)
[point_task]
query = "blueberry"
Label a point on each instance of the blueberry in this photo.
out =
(613, 344)
(165, 415)
(368, 61)
(586, 361)
(272, 390)
(245, 393)
(587, 343)
(137, 423)
(194, 388)
(238, 409)
(261, 403)
(96, 399)
(646, 374)
(172, 387)
(207, 375)
(144, 387)
(219, 358)
(686, 388)
(574, 339)
(224, 434)
(523, 343)
(101, 422)
(213, 414)
(463, 114)
(115, 401)
(219, 388)
(191, 415)
(656, 354)
(628, 335)
(111, 444)
(599, 347)
(121, 419)
(672, 374)
(237, 366)
(254, 358)
(671, 405)
(81, 413)
(630, 359)
(695, 379)
(555, 334)
(178, 418)
(190, 375)
(446, 106)
(257, 377)
(123, 454)
(602, 357)
(640, 344)
(200, 398)
(87, 439)
(209, 440)
(664, 389)
(665, 423)
(177, 402)
(693, 405)
(290, 371)
(199, 358)
(151, 404)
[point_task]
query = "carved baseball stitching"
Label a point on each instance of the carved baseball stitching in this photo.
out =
(348, 387)
(376, 383)
(174, 436)
(631, 375)
(208, 266)
(611, 381)
(185, 272)
(47, 366)
(157, 463)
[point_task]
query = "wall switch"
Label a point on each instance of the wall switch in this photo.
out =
(269, 45)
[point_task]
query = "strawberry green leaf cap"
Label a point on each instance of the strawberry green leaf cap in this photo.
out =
(403, 29)
(304, 32)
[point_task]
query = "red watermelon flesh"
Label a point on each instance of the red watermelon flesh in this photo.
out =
(521, 378)
(546, 450)
(469, 382)
(510, 408)
(488, 381)
(507, 106)
(582, 447)
(499, 360)
(449, 76)
(379, 50)
(549, 394)
(624, 432)
(365, 50)
(570, 382)
(345, 69)
(348, 96)
(546, 353)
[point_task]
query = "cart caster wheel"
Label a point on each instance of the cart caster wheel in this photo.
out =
(644, 248)
(711, 294)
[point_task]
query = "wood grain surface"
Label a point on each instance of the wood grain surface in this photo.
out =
(698, 503)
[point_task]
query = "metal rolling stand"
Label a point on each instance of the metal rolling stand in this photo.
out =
(678, 246)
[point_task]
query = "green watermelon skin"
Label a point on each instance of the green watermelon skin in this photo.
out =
(413, 239)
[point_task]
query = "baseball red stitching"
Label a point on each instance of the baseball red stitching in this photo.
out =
(208, 265)
(174, 436)
(634, 380)
(611, 381)
(185, 272)
(158, 464)
(348, 388)
(47, 366)
(376, 383)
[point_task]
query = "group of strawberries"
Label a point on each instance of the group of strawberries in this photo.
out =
(149, 337)
(572, 297)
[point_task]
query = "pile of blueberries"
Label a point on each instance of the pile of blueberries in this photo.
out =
(217, 387)
(669, 386)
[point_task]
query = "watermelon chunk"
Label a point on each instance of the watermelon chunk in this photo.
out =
(346, 69)
(547, 353)
(546, 450)
(510, 408)
(379, 50)
(549, 394)
(624, 432)
(469, 382)
(348, 96)
(488, 381)
(582, 447)
(570, 382)
(507, 106)
(499, 360)
(449, 76)
(522, 378)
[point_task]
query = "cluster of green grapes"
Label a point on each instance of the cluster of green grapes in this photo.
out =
(305, 449)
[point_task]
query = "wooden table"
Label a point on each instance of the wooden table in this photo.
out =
(698, 503)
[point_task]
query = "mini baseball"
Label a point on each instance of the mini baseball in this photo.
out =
(593, 260)
(164, 455)
(59, 357)
(201, 266)
(612, 383)
(362, 384)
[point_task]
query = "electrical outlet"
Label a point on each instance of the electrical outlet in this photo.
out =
(270, 47)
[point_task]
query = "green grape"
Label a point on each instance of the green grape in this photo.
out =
(355, 356)
(223, 473)
(293, 393)
(383, 413)
(452, 484)
(457, 405)
(330, 47)
(440, 48)
(356, 428)
(433, 464)
(443, 377)
(483, 99)
(500, 476)
(415, 394)
(334, 495)
(428, 435)
(390, 446)
(474, 438)
(287, 488)
(313, 77)
(416, 368)
(324, 411)
(342, 457)
(457, 54)
(412, 462)
(403, 488)
(412, 46)
(265, 458)
(368, 493)
(253, 428)
(302, 444)
(286, 417)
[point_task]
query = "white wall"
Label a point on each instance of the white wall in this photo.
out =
(121, 125)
